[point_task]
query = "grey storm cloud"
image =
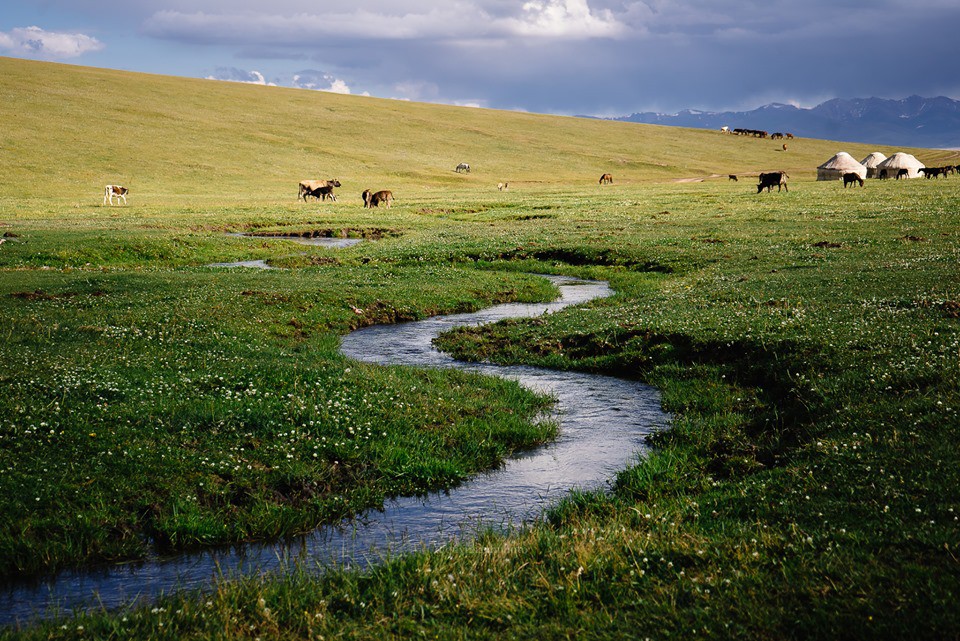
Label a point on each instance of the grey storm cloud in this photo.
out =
(568, 56)
(568, 19)
(585, 56)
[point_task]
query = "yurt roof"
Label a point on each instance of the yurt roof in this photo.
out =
(900, 160)
(842, 161)
(873, 159)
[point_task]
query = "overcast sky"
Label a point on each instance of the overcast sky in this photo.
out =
(596, 57)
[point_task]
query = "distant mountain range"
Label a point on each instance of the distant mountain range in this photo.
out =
(911, 122)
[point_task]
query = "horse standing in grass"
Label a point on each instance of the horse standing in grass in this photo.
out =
(606, 179)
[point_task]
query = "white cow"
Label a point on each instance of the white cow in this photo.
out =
(115, 190)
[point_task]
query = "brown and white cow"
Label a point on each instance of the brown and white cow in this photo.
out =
(115, 190)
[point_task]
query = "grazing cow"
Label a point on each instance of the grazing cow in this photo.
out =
(756, 133)
(605, 179)
(322, 193)
(503, 186)
(307, 186)
(936, 172)
(784, 146)
(776, 135)
(850, 178)
(773, 179)
(789, 136)
(115, 190)
(903, 173)
(371, 199)
(732, 177)
(464, 167)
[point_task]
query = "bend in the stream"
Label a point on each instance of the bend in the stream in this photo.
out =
(603, 422)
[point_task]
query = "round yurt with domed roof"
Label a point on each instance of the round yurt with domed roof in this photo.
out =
(841, 163)
(871, 162)
(899, 165)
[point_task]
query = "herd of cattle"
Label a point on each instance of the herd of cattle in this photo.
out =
(323, 189)
(757, 133)
(936, 172)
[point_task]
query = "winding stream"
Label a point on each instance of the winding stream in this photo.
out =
(603, 421)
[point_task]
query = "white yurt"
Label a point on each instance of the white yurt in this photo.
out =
(871, 162)
(842, 163)
(897, 162)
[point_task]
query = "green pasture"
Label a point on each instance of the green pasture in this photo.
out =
(806, 344)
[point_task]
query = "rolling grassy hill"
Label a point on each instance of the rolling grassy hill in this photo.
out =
(69, 130)
(805, 344)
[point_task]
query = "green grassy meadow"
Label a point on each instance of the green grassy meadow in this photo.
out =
(806, 344)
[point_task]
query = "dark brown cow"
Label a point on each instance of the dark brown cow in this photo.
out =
(322, 193)
(307, 186)
(773, 179)
(851, 178)
(605, 179)
(371, 199)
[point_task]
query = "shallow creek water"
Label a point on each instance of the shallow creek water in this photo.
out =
(603, 421)
(319, 241)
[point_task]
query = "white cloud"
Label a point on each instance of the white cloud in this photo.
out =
(320, 81)
(232, 74)
(564, 19)
(34, 42)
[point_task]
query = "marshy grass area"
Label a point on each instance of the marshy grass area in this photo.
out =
(806, 344)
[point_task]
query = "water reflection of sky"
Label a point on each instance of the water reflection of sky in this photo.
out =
(319, 241)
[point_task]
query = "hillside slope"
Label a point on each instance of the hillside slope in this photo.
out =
(72, 129)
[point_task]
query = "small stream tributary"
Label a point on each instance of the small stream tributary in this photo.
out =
(603, 422)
